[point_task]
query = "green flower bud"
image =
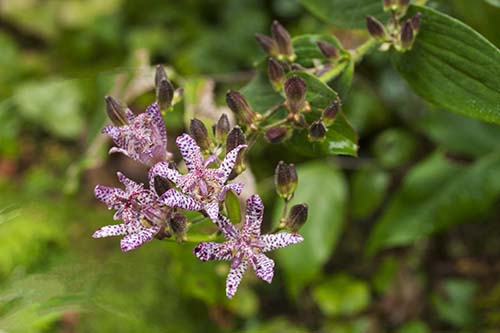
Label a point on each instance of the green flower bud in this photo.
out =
(297, 217)
(268, 44)
(376, 29)
(276, 74)
(116, 111)
(239, 105)
(328, 50)
(285, 180)
(317, 131)
(295, 91)
(222, 128)
(276, 134)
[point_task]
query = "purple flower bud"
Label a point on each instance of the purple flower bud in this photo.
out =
(297, 217)
(239, 105)
(276, 134)
(404, 3)
(415, 22)
(222, 128)
(200, 133)
(295, 91)
(317, 131)
(390, 5)
(276, 74)
(375, 28)
(178, 226)
(160, 75)
(282, 38)
(407, 35)
(235, 138)
(116, 111)
(328, 50)
(268, 44)
(285, 180)
(164, 94)
(330, 113)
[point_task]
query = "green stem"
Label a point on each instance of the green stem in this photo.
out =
(275, 124)
(271, 111)
(333, 72)
(358, 53)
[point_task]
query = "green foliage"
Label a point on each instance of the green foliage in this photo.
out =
(326, 212)
(453, 66)
(454, 303)
(394, 147)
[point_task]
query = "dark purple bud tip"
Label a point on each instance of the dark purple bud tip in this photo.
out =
(328, 50)
(268, 44)
(330, 113)
(416, 21)
(276, 74)
(375, 28)
(239, 105)
(116, 111)
(297, 217)
(407, 35)
(160, 75)
(295, 91)
(200, 133)
(164, 93)
(276, 135)
(282, 38)
(317, 131)
(235, 138)
(222, 128)
(285, 180)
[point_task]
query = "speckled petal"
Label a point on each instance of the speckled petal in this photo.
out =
(162, 169)
(277, 241)
(226, 227)
(254, 214)
(129, 183)
(206, 251)
(228, 163)
(111, 230)
(154, 112)
(135, 240)
(107, 194)
(264, 268)
(173, 198)
(114, 132)
(236, 187)
(190, 152)
(212, 210)
(234, 278)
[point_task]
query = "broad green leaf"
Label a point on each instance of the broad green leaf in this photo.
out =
(495, 3)
(434, 195)
(302, 262)
(233, 207)
(459, 134)
(259, 92)
(306, 48)
(344, 82)
(394, 147)
(453, 66)
(456, 305)
(345, 13)
(340, 139)
(342, 295)
(369, 185)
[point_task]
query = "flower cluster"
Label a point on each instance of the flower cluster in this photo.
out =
(157, 211)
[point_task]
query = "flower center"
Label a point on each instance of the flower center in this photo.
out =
(205, 190)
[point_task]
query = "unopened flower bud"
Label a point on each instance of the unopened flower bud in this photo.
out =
(268, 44)
(295, 91)
(390, 5)
(222, 128)
(328, 50)
(415, 22)
(297, 217)
(406, 35)
(282, 38)
(235, 138)
(317, 131)
(116, 111)
(160, 75)
(161, 185)
(239, 105)
(276, 134)
(164, 93)
(375, 28)
(178, 226)
(285, 180)
(330, 113)
(200, 134)
(276, 74)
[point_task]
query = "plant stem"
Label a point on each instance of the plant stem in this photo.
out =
(358, 53)
(275, 124)
(333, 72)
(271, 111)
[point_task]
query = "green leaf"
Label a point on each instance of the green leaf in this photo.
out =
(369, 185)
(302, 262)
(434, 195)
(453, 66)
(306, 49)
(495, 3)
(394, 147)
(344, 82)
(233, 207)
(340, 138)
(456, 306)
(342, 295)
(415, 326)
(345, 13)
(260, 93)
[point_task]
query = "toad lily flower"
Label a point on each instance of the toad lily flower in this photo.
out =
(143, 138)
(202, 188)
(139, 209)
(246, 246)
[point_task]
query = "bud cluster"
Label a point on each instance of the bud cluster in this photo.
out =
(279, 44)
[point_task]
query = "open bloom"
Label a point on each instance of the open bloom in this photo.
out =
(246, 246)
(203, 187)
(143, 139)
(142, 215)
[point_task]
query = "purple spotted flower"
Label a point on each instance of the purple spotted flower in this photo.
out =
(246, 246)
(142, 215)
(203, 187)
(143, 139)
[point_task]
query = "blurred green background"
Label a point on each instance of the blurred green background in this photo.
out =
(403, 238)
